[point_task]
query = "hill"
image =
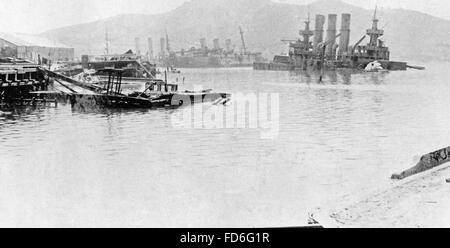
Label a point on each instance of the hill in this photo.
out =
(411, 35)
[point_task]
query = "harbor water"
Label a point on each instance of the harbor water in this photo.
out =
(339, 141)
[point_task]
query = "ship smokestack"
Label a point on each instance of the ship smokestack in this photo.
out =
(203, 43)
(138, 45)
(318, 32)
(345, 34)
(163, 47)
(331, 35)
(228, 45)
(150, 48)
(216, 44)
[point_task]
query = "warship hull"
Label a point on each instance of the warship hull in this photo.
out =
(209, 62)
(274, 66)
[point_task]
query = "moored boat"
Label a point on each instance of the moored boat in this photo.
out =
(158, 94)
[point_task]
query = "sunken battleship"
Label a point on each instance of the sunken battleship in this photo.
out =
(326, 54)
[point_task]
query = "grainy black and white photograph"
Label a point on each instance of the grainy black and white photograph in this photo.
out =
(224, 114)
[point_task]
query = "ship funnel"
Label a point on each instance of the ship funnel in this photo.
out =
(216, 44)
(318, 32)
(163, 47)
(203, 43)
(150, 48)
(345, 34)
(137, 42)
(228, 45)
(331, 35)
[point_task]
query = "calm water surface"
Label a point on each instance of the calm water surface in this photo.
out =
(339, 141)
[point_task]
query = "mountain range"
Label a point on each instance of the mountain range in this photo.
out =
(411, 35)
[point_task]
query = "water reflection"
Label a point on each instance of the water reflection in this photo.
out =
(105, 111)
(20, 113)
(338, 140)
(346, 78)
(339, 76)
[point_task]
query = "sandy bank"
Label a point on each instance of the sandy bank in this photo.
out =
(422, 201)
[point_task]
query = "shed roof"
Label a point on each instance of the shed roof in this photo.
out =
(31, 40)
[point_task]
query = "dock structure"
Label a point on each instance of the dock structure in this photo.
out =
(19, 77)
(21, 84)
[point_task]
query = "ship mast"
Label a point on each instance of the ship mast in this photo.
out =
(167, 42)
(374, 33)
(307, 33)
(243, 41)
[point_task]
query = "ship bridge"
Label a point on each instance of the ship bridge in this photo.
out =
(307, 33)
(374, 33)
(375, 49)
(303, 47)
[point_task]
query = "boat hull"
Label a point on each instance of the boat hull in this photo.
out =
(164, 101)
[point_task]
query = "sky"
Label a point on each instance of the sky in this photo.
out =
(36, 16)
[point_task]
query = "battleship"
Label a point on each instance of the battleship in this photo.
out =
(205, 57)
(326, 54)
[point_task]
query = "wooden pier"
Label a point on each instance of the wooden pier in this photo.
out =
(19, 81)
(15, 76)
